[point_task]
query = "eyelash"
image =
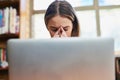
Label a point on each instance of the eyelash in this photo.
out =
(54, 30)
(65, 29)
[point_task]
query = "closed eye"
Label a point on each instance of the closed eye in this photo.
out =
(66, 28)
(54, 29)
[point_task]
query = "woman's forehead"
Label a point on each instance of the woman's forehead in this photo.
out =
(59, 21)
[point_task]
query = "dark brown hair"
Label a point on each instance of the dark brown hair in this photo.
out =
(63, 8)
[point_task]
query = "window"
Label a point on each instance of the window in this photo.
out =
(110, 25)
(97, 18)
(109, 2)
(39, 30)
(87, 23)
(43, 4)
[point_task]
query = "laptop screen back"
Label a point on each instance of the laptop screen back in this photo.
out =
(61, 59)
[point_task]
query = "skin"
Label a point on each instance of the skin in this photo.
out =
(60, 26)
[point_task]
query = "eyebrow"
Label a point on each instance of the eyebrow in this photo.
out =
(66, 26)
(53, 27)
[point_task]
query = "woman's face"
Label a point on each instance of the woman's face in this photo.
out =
(60, 26)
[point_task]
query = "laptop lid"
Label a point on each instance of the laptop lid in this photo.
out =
(61, 59)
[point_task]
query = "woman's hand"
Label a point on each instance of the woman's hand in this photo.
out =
(57, 34)
(63, 33)
(60, 33)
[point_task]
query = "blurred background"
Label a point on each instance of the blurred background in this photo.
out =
(96, 17)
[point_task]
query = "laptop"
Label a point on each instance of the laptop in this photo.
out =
(61, 59)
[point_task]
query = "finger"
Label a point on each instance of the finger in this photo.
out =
(56, 36)
(57, 33)
(63, 34)
(61, 28)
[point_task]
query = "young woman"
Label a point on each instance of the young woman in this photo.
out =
(61, 21)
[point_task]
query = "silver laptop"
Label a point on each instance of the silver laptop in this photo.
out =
(61, 59)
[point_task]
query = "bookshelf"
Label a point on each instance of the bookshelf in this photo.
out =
(23, 11)
(5, 32)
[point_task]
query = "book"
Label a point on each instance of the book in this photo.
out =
(17, 27)
(9, 21)
(0, 57)
(13, 16)
(1, 20)
(6, 17)
(3, 60)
